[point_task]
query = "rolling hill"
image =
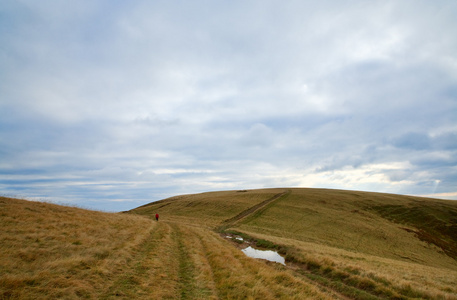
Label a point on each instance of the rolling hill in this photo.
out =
(337, 244)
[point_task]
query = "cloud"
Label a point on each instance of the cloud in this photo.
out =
(111, 105)
(413, 140)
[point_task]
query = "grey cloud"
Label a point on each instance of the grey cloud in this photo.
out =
(422, 140)
(413, 140)
(445, 141)
(141, 100)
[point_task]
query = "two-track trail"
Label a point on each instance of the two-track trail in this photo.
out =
(244, 215)
(181, 261)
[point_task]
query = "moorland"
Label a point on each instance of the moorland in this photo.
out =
(337, 245)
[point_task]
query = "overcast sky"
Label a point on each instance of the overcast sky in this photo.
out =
(113, 104)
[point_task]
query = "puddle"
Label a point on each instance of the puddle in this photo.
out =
(239, 238)
(264, 254)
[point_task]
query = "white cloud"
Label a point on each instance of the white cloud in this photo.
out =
(141, 100)
(451, 196)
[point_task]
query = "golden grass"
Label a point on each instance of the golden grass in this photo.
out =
(340, 232)
(50, 251)
(221, 271)
(206, 209)
(339, 219)
(338, 244)
(436, 282)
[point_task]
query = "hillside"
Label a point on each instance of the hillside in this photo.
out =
(398, 243)
(337, 244)
(49, 251)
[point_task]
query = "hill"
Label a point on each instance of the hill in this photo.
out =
(50, 251)
(337, 245)
(398, 246)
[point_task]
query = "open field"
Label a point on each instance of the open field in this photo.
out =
(337, 244)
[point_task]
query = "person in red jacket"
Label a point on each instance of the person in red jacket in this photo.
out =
(157, 217)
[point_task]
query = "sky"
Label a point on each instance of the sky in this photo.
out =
(110, 105)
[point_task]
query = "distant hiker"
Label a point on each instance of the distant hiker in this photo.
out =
(157, 217)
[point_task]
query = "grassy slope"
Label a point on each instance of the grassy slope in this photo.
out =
(405, 243)
(366, 231)
(207, 209)
(339, 244)
(359, 222)
(49, 251)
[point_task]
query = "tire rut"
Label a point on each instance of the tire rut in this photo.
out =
(250, 211)
(186, 268)
(195, 276)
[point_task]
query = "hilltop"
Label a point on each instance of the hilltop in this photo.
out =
(337, 244)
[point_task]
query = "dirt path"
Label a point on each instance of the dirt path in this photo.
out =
(250, 211)
(142, 273)
(178, 261)
(188, 262)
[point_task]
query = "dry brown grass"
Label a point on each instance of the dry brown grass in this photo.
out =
(353, 249)
(340, 219)
(391, 274)
(50, 251)
(206, 209)
(191, 262)
(219, 270)
(335, 243)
